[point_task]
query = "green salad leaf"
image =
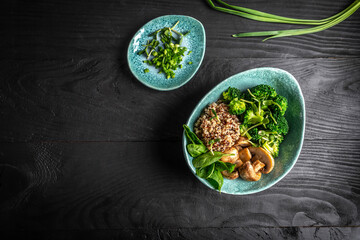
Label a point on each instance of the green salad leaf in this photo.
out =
(224, 166)
(207, 163)
(192, 136)
(207, 158)
(196, 147)
(216, 180)
(205, 172)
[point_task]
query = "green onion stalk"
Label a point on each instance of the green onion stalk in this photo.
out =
(322, 24)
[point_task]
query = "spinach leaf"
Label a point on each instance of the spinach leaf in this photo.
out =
(207, 158)
(216, 180)
(205, 172)
(192, 136)
(222, 166)
(231, 168)
(196, 149)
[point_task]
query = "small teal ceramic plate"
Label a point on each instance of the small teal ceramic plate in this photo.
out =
(195, 41)
(286, 85)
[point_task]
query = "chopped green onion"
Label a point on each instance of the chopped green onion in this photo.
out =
(215, 115)
(211, 143)
(166, 58)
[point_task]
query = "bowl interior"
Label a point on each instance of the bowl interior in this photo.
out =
(286, 85)
(195, 41)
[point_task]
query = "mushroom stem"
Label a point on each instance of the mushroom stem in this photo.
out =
(248, 173)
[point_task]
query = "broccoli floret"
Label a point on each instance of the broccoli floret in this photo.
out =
(273, 147)
(270, 141)
(243, 131)
(278, 123)
(236, 107)
(268, 135)
(231, 94)
(254, 133)
(251, 117)
(263, 91)
(280, 103)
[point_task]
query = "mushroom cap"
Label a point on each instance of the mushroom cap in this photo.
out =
(232, 158)
(231, 176)
(244, 155)
(263, 156)
(238, 147)
(247, 172)
(242, 142)
(238, 163)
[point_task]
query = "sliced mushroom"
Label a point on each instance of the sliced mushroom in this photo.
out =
(238, 163)
(263, 156)
(238, 147)
(245, 155)
(231, 158)
(248, 173)
(243, 142)
(257, 165)
(231, 176)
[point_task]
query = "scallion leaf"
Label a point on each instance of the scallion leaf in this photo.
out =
(267, 17)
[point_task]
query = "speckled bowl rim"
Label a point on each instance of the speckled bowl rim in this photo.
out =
(302, 103)
(190, 77)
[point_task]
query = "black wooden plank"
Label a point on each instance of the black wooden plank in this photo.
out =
(45, 29)
(325, 233)
(97, 99)
(148, 185)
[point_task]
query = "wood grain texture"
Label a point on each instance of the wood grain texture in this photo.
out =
(291, 233)
(40, 29)
(86, 151)
(148, 185)
(95, 99)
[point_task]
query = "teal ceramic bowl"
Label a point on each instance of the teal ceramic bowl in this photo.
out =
(286, 85)
(195, 41)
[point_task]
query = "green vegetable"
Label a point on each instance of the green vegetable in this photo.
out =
(215, 115)
(196, 147)
(278, 124)
(146, 70)
(216, 180)
(231, 94)
(190, 63)
(273, 147)
(207, 158)
(167, 58)
(263, 91)
(191, 136)
(279, 103)
(271, 141)
(207, 164)
(253, 117)
(237, 107)
(205, 172)
(263, 121)
(254, 134)
(212, 173)
(265, 17)
(211, 143)
(224, 166)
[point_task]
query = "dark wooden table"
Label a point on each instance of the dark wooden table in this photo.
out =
(89, 152)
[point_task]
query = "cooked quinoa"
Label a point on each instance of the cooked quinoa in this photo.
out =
(226, 129)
